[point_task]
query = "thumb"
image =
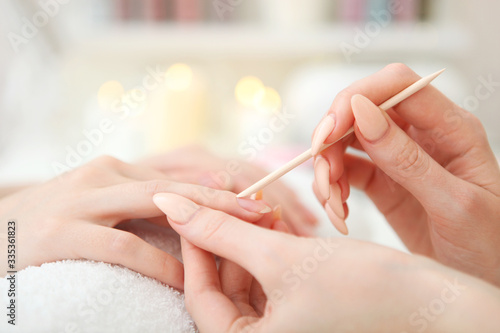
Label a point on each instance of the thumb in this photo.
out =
(399, 156)
(256, 249)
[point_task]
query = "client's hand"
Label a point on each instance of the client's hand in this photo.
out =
(316, 285)
(72, 217)
(197, 166)
(432, 172)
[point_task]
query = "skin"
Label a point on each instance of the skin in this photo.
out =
(184, 165)
(352, 287)
(431, 172)
(73, 217)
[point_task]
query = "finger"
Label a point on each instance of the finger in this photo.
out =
(134, 200)
(258, 298)
(126, 249)
(401, 158)
(131, 171)
(377, 87)
(391, 199)
(236, 283)
(210, 308)
(227, 236)
(318, 195)
(440, 130)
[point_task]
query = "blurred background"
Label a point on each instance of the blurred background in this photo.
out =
(246, 78)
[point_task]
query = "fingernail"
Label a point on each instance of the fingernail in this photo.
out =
(277, 213)
(369, 118)
(335, 200)
(259, 195)
(337, 222)
(177, 208)
(254, 206)
(322, 176)
(324, 129)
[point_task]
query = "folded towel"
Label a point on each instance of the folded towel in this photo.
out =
(76, 296)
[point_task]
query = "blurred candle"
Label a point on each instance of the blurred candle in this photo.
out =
(177, 114)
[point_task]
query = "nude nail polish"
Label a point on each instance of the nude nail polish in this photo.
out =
(324, 129)
(277, 213)
(254, 206)
(337, 222)
(322, 176)
(177, 208)
(369, 118)
(335, 200)
(259, 195)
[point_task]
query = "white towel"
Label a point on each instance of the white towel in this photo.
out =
(76, 296)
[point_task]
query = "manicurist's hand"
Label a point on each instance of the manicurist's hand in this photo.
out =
(298, 284)
(196, 165)
(432, 172)
(72, 217)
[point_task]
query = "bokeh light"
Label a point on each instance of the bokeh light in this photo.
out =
(269, 101)
(179, 77)
(249, 90)
(109, 93)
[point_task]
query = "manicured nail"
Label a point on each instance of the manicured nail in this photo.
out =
(254, 206)
(322, 176)
(277, 213)
(259, 195)
(369, 118)
(177, 208)
(324, 129)
(335, 201)
(337, 222)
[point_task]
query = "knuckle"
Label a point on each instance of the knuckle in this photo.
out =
(399, 68)
(106, 160)
(469, 201)
(84, 173)
(214, 230)
(154, 186)
(123, 242)
(345, 94)
(411, 160)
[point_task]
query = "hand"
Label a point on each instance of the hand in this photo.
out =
(432, 172)
(72, 217)
(197, 166)
(316, 285)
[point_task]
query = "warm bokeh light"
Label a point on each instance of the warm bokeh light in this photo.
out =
(269, 101)
(109, 93)
(249, 90)
(179, 77)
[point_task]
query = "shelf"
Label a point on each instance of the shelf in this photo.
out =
(238, 41)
